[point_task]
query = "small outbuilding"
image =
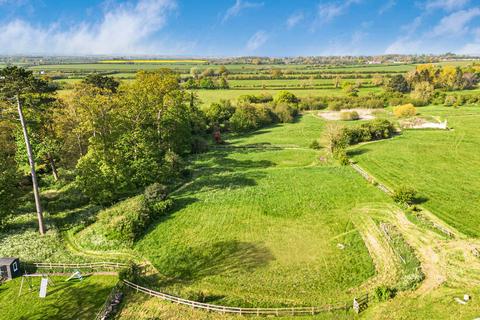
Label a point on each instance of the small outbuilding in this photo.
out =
(9, 268)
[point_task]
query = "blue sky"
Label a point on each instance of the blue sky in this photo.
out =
(239, 27)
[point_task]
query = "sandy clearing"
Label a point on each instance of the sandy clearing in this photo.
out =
(365, 114)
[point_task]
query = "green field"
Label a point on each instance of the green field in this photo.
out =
(439, 164)
(261, 227)
(209, 96)
(65, 300)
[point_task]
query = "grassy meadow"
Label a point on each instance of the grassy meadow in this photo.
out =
(209, 96)
(260, 227)
(265, 220)
(440, 165)
(64, 300)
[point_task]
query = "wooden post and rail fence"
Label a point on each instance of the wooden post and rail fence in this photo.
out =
(292, 311)
(358, 305)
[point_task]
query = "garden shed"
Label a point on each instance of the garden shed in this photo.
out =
(9, 268)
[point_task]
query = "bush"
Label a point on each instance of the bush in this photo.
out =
(405, 196)
(341, 156)
(244, 119)
(124, 221)
(312, 103)
(384, 293)
(349, 115)
(335, 105)
(396, 101)
(450, 101)
(284, 113)
(154, 193)
(219, 113)
(286, 97)
(397, 84)
(199, 145)
(130, 273)
(373, 130)
(315, 145)
(405, 111)
(423, 92)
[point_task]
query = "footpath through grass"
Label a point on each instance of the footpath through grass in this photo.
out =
(441, 165)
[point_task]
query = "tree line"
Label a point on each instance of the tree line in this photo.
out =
(116, 139)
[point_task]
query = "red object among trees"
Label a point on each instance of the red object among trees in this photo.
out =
(217, 136)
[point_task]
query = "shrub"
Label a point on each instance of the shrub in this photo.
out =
(350, 90)
(219, 113)
(335, 105)
(284, 113)
(349, 115)
(397, 84)
(405, 196)
(315, 145)
(384, 293)
(199, 145)
(264, 114)
(373, 130)
(450, 101)
(396, 101)
(286, 97)
(312, 103)
(423, 91)
(374, 103)
(404, 111)
(341, 156)
(244, 119)
(410, 281)
(124, 221)
(131, 272)
(207, 83)
(154, 193)
(264, 97)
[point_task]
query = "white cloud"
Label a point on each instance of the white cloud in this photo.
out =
(122, 29)
(447, 5)
(472, 48)
(294, 19)
(328, 11)
(257, 40)
(404, 46)
(455, 23)
(476, 33)
(387, 6)
(238, 7)
(412, 27)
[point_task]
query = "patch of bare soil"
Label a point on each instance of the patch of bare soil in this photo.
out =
(385, 261)
(451, 261)
(365, 114)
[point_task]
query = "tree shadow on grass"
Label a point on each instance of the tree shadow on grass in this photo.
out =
(357, 152)
(420, 200)
(228, 181)
(68, 199)
(218, 161)
(74, 302)
(187, 265)
(80, 217)
(266, 129)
